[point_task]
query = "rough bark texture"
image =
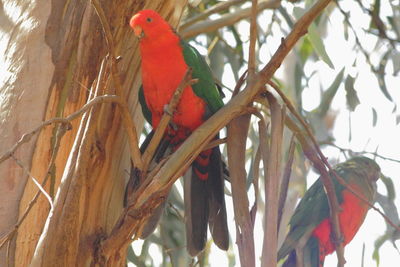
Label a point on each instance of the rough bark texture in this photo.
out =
(52, 52)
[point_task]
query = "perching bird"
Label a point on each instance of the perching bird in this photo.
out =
(165, 60)
(310, 235)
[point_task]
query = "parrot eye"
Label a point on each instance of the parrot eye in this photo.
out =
(149, 19)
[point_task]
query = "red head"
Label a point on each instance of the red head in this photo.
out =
(149, 24)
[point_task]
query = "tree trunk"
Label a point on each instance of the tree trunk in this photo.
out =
(51, 52)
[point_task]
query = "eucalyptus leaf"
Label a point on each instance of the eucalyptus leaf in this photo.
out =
(381, 76)
(315, 38)
(396, 62)
(351, 93)
(316, 41)
(329, 94)
(374, 117)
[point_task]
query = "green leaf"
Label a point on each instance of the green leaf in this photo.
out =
(351, 94)
(374, 117)
(318, 45)
(305, 50)
(328, 95)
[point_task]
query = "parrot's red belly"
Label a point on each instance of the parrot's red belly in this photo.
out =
(351, 218)
(189, 113)
(162, 73)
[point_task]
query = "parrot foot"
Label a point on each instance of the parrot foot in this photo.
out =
(168, 111)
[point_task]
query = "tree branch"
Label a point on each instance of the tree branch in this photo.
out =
(222, 6)
(272, 182)
(225, 20)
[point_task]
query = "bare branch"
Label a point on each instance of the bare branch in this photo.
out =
(253, 39)
(41, 189)
(272, 181)
(214, 9)
(225, 20)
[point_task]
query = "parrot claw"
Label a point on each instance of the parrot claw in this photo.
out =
(170, 113)
(167, 110)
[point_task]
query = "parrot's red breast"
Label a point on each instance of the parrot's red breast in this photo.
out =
(351, 217)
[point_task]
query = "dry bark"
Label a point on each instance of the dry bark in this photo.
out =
(54, 53)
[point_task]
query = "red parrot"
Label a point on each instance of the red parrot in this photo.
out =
(310, 235)
(165, 60)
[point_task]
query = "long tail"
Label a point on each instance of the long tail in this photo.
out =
(205, 202)
(133, 183)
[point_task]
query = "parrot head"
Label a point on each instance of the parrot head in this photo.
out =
(370, 166)
(148, 24)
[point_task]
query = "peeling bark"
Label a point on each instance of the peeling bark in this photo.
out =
(53, 54)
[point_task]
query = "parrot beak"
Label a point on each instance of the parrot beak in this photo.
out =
(138, 31)
(136, 28)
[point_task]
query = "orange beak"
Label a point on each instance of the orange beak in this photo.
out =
(136, 28)
(138, 31)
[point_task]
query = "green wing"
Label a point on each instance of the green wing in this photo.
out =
(205, 87)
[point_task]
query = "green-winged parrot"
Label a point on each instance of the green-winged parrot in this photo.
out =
(165, 60)
(310, 234)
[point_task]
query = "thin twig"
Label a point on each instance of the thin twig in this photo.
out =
(214, 9)
(39, 186)
(375, 154)
(215, 143)
(225, 20)
(253, 39)
(27, 137)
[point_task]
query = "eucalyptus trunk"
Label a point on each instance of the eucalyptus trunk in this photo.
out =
(51, 54)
